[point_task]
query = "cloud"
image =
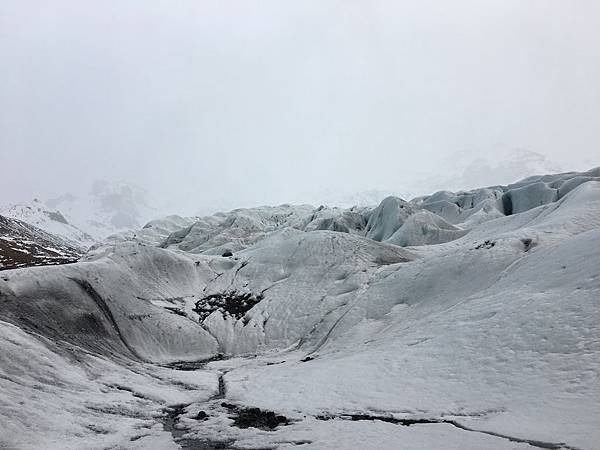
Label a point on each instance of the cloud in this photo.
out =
(266, 102)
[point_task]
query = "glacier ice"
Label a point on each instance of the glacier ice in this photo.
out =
(471, 315)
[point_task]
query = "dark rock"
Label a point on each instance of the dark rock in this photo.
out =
(201, 415)
(527, 244)
(256, 418)
(485, 245)
(228, 405)
(231, 303)
(194, 365)
(227, 254)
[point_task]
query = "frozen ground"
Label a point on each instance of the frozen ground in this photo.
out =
(482, 331)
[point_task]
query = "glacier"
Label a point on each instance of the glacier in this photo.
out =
(458, 320)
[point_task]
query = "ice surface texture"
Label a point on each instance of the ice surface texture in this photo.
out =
(472, 317)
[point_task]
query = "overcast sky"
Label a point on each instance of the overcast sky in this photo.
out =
(268, 101)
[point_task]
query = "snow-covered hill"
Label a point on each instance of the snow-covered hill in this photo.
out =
(459, 320)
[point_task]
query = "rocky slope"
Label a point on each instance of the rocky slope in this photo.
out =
(23, 245)
(52, 221)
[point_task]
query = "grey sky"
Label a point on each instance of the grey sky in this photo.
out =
(268, 101)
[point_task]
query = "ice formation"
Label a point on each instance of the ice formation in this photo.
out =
(463, 320)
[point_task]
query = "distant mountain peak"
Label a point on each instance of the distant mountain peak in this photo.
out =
(108, 208)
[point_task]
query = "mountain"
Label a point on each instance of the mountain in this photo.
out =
(463, 170)
(456, 320)
(109, 208)
(52, 221)
(468, 169)
(23, 245)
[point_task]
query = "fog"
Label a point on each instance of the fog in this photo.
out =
(248, 102)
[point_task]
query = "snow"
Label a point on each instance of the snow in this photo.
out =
(58, 398)
(483, 327)
(42, 216)
(108, 302)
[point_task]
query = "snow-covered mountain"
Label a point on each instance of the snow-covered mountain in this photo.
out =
(468, 169)
(458, 320)
(463, 170)
(109, 208)
(40, 215)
